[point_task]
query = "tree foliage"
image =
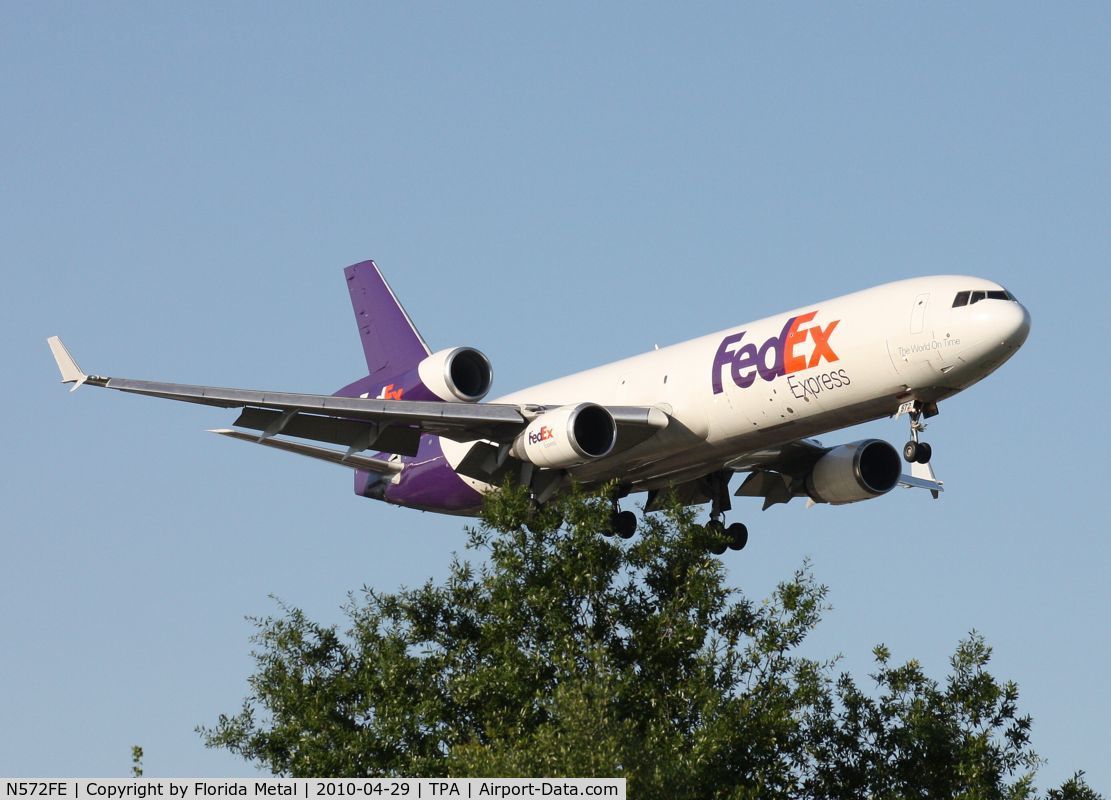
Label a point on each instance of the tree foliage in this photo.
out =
(565, 653)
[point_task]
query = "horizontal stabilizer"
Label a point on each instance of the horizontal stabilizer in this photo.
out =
(354, 461)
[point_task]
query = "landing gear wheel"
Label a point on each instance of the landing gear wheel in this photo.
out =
(910, 452)
(925, 452)
(715, 531)
(624, 524)
(738, 536)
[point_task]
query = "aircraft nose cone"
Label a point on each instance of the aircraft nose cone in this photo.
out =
(1009, 323)
(1018, 326)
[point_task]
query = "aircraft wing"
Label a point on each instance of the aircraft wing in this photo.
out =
(777, 474)
(359, 423)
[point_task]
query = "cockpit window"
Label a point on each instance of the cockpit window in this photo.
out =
(970, 297)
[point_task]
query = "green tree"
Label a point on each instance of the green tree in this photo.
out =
(568, 653)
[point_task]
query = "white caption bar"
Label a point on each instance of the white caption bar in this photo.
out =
(308, 788)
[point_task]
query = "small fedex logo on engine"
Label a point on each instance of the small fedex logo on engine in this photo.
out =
(778, 356)
(542, 435)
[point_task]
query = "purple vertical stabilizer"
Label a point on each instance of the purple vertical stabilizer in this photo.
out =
(394, 350)
(391, 342)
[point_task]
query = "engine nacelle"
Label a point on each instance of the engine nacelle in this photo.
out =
(853, 472)
(457, 375)
(567, 436)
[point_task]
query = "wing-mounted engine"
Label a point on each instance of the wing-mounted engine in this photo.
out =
(454, 375)
(853, 472)
(567, 436)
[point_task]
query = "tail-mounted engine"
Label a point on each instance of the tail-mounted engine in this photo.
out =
(567, 436)
(461, 374)
(455, 375)
(853, 472)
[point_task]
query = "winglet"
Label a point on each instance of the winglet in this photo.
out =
(71, 373)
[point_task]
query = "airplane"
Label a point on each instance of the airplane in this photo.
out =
(681, 419)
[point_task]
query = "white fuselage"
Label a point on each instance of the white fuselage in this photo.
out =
(842, 362)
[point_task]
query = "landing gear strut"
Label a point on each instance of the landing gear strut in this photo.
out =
(914, 450)
(622, 523)
(734, 537)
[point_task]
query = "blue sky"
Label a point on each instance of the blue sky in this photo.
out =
(559, 187)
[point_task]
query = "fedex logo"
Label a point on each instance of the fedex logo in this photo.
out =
(542, 435)
(775, 357)
(390, 393)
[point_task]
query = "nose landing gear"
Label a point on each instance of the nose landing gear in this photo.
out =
(915, 451)
(920, 452)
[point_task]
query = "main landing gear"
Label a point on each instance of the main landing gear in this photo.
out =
(914, 450)
(733, 537)
(719, 536)
(622, 523)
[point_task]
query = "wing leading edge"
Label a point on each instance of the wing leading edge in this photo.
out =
(359, 423)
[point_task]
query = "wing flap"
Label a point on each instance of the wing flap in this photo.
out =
(490, 464)
(334, 430)
(793, 458)
(776, 473)
(353, 461)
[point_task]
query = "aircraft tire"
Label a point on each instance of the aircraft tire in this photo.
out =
(715, 532)
(924, 454)
(625, 524)
(738, 536)
(910, 452)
